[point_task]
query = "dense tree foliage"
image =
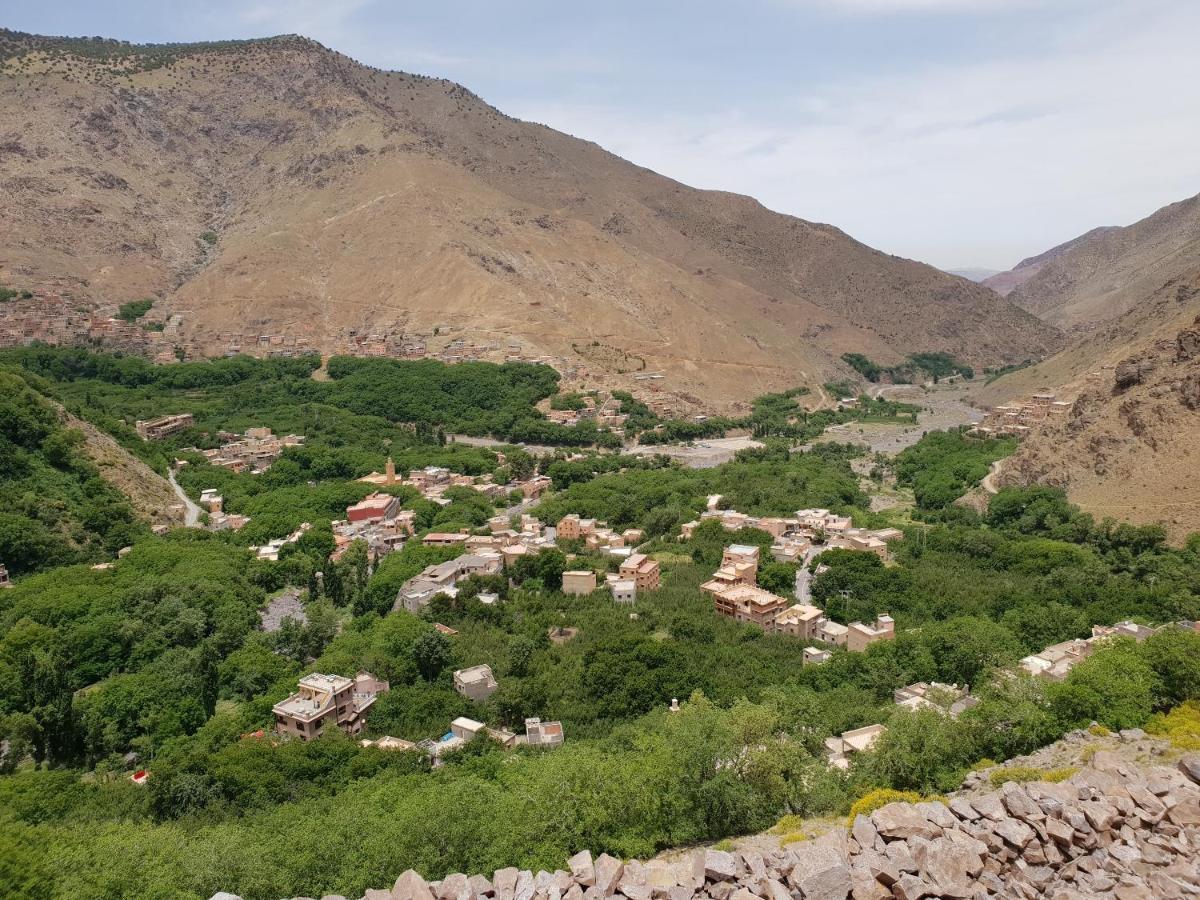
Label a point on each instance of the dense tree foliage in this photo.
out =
(943, 465)
(55, 508)
(161, 655)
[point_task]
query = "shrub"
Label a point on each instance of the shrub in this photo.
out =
(1019, 774)
(879, 798)
(1181, 726)
(1098, 730)
(794, 837)
(1023, 774)
(1054, 776)
(788, 825)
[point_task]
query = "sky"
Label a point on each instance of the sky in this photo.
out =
(965, 133)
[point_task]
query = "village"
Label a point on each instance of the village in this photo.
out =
(1018, 418)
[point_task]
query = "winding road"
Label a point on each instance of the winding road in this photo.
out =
(989, 480)
(191, 512)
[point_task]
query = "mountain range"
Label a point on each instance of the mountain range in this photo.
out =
(1129, 300)
(271, 187)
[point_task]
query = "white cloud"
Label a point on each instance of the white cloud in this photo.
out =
(973, 164)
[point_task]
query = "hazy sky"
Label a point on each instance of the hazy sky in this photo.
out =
(960, 132)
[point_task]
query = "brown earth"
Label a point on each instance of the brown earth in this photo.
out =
(1108, 272)
(276, 186)
(1128, 449)
(1004, 283)
(149, 493)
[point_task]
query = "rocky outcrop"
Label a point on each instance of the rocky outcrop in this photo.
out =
(1111, 830)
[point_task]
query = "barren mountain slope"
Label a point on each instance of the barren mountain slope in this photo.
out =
(278, 187)
(1130, 447)
(1107, 272)
(1004, 283)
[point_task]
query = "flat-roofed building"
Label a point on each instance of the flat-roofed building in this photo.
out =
(476, 683)
(5, 581)
(624, 590)
(443, 539)
(800, 620)
(949, 698)
(322, 701)
(568, 528)
(860, 636)
(831, 632)
(387, 742)
(747, 603)
(579, 582)
(542, 734)
(815, 656)
(375, 507)
(643, 570)
(840, 749)
(163, 426)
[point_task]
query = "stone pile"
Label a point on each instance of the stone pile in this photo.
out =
(1111, 830)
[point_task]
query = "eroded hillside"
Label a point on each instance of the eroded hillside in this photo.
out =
(276, 188)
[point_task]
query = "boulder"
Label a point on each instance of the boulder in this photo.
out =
(1190, 766)
(910, 887)
(583, 870)
(900, 821)
(1186, 813)
(989, 807)
(454, 887)
(480, 887)
(525, 886)
(505, 883)
(411, 886)
(864, 832)
(607, 872)
(1020, 804)
(720, 865)
(878, 867)
(1014, 832)
(832, 883)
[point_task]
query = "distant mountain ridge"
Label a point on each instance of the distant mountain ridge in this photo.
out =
(1004, 283)
(1131, 297)
(275, 188)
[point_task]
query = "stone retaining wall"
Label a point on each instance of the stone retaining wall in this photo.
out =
(1111, 830)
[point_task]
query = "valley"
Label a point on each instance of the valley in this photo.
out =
(382, 507)
(401, 500)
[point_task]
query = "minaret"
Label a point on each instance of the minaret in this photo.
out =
(390, 472)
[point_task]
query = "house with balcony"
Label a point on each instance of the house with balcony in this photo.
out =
(328, 701)
(642, 570)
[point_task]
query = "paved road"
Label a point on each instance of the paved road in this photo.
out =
(804, 577)
(191, 512)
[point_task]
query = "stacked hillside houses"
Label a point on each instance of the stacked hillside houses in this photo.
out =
(1021, 417)
(736, 595)
(800, 537)
(252, 452)
(328, 701)
(1056, 661)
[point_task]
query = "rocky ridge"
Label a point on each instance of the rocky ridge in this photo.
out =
(1117, 828)
(279, 197)
(1127, 448)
